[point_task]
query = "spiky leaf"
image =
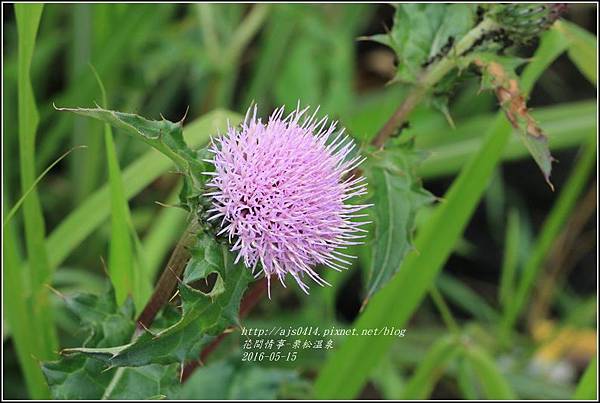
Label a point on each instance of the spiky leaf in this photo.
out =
(84, 377)
(397, 199)
(204, 314)
(422, 33)
(166, 137)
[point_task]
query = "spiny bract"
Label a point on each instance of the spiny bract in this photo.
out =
(280, 190)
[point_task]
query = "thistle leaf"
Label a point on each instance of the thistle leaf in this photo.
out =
(166, 137)
(204, 314)
(422, 33)
(398, 198)
(84, 377)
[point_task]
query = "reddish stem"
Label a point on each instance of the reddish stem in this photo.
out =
(249, 301)
(169, 279)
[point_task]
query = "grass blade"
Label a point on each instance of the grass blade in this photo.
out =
(15, 208)
(583, 50)
(28, 18)
(17, 315)
(124, 269)
(388, 380)
(551, 229)
(462, 296)
(346, 370)
(421, 384)
(393, 174)
(466, 379)
(40, 340)
(166, 230)
(586, 389)
(511, 258)
(495, 386)
(84, 169)
(273, 44)
(121, 259)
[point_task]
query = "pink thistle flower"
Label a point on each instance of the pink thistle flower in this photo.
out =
(280, 190)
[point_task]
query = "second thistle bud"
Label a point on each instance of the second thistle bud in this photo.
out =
(523, 21)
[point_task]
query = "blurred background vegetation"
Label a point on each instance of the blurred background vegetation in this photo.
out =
(165, 58)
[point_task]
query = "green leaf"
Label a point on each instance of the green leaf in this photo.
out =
(466, 379)
(510, 260)
(124, 263)
(397, 199)
(148, 382)
(301, 76)
(234, 379)
(428, 372)
(164, 136)
(167, 227)
(273, 52)
(38, 273)
(209, 256)
(17, 313)
(204, 315)
(16, 206)
(583, 50)
(423, 32)
(82, 377)
(586, 388)
(462, 296)
(495, 386)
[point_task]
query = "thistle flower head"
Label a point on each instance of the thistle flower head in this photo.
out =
(280, 190)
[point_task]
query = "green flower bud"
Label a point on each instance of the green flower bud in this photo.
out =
(526, 20)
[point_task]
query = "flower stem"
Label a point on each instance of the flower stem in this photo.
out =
(166, 285)
(431, 76)
(169, 278)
